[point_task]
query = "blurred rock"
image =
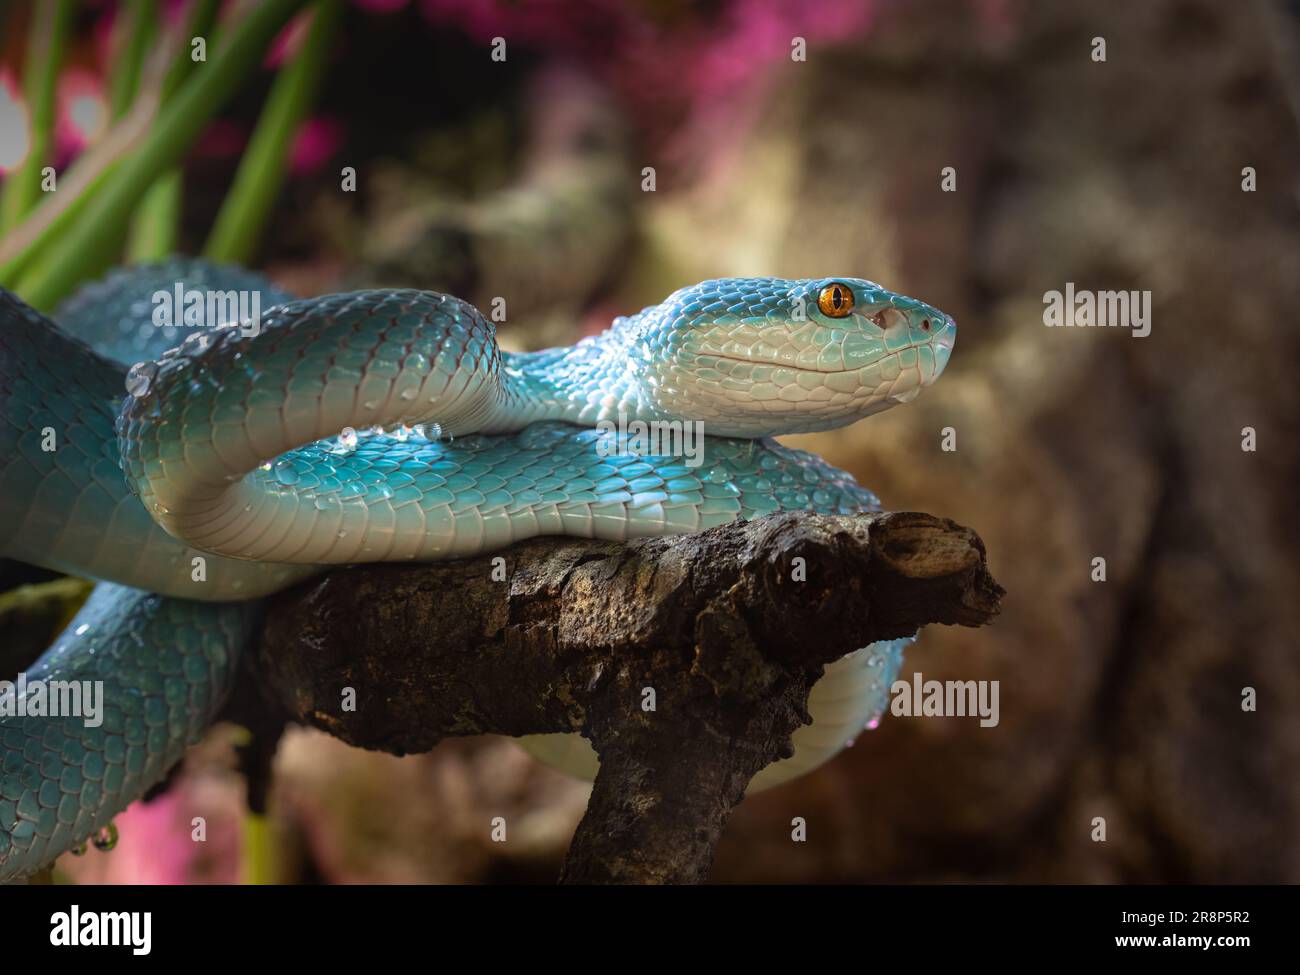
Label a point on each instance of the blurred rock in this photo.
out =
(1120, 699)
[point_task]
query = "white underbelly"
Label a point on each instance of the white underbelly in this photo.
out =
(852, 695)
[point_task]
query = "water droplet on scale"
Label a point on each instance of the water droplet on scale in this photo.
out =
(106, 838)
(196, 343)
(346, 441)
(402, 432)
(139, 376)
(79, 850)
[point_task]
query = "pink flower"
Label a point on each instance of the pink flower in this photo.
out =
(316, 142)
(82, 113)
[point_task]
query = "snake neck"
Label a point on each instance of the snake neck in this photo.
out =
(583, 384)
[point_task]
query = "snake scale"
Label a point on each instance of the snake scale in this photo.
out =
(382, 426)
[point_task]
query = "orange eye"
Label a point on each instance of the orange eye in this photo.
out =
(835, 300)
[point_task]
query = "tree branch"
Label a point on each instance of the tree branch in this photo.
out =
(727, 626)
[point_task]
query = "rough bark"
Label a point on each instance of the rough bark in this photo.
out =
(559, 635)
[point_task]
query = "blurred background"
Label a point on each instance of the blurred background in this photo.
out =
(524, 179)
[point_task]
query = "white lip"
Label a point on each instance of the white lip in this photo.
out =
(779, 365)
(820, 372)
(908, 396)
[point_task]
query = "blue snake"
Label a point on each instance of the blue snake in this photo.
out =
(194, 469)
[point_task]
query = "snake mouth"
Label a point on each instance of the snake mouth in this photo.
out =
(784, 365)
(892, 354)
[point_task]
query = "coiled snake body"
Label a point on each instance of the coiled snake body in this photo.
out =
(381, 426)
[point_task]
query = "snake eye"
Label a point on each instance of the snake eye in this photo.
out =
(835, 300)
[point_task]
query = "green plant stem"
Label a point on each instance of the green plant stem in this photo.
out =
(139, 25)
(179, 123)
(262, 169)
(21, 262)
(156, 226)
(135, 29)
(203, 18)
(256, 851)
(49, 33)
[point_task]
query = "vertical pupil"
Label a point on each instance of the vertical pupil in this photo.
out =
(837, 298)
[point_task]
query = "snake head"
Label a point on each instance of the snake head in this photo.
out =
(768, 356)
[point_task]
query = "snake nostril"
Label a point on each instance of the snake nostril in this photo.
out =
(925, 324)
